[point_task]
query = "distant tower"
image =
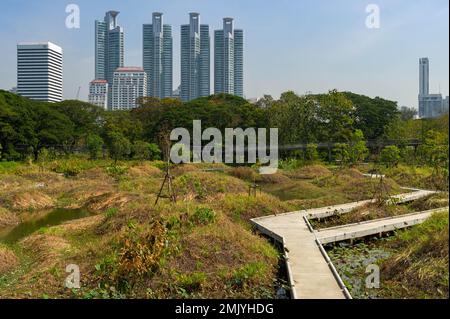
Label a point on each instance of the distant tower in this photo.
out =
(229, 59)
(424, 77)
(195, 59)
(430, 105)
(109, 48)
(157, 57)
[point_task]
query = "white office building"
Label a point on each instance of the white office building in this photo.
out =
(40, 71)
(129, 84)
(98, 93)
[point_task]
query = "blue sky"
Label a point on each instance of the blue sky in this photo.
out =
(299, 45)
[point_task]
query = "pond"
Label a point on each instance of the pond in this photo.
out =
(56, 217)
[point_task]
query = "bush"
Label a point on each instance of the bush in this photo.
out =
(146, 151)
(119, 146)
(390, 156)
(311, 154)
(203, 216)
(94, 144)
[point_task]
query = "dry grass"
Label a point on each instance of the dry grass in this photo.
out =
(420, 268)
(245, 173)
(8, 260)
(144, 170)
(308, 172)
(361, 214)
(208, 249)
(200, 185)
(32, 199)
(8, 218)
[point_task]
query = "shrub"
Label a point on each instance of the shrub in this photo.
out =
(203, 216)
(94, 144)
(390, 156)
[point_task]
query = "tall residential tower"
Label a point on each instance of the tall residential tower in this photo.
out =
(40, 71)
(195, 59)
(229, 59)
(157, 57)
(109, 48)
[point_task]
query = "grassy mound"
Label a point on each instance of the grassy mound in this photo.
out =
(7, 218)
(308, 172)
(144, 170)
(31, 200)
(200, 185)
(420, 268)
(8, 260)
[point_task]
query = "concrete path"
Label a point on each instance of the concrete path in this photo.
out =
(373, 227)
(324, 212)
(311, 273)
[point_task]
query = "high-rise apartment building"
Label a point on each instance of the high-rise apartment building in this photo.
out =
(195, 59)
(129, 84)
(229, 59)
(109, 48)
(430, 105)
(98, 93)
(157, 57)
(40, 71)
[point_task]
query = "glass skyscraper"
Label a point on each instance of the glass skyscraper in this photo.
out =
(195, 59)
(109, 48)
(157, 57)
(229, 59)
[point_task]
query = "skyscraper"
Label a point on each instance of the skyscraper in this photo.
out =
(424, 76)
(195, 59)
(430, 105)
(157, 57)
(229, 59)
(109, 47)
(40, 71)
(129, 84)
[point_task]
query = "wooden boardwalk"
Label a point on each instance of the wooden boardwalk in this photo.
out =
(311, 273)
(373, 227)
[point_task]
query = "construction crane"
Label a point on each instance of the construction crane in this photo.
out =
(78, 93)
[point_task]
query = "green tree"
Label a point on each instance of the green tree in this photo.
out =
(311, 154)
(119, 146)
(341, 153)
(358, 150)
(435, 152)
(390, 156)
(146, 151)
(94, 144)
(372, 116)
